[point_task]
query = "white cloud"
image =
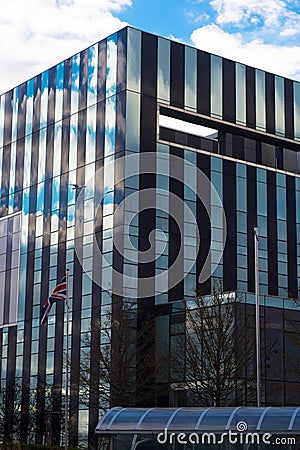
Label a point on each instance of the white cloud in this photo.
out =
(282, 60)
(36, 34)
(236, 11)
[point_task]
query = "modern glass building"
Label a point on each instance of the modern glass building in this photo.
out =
(142, 165)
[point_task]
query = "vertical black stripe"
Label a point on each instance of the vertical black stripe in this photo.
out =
(272, 234)
(175, 238)
(229, 203)
(149, 65)
(291, 236)
(147, 142)
(270, 103)
(251, 223)
(203, 222)
(228, 90)
(203, 82)
(250, 97)
(147, 219)
(289, 108)
(177, 75)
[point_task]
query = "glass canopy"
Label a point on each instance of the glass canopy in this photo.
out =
(187, 420)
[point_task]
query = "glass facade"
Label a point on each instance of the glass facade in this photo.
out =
(75, 146)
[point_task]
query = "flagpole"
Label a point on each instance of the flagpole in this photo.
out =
(67, 365)
(257, 319)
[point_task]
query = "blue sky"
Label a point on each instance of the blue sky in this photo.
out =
(37, 34)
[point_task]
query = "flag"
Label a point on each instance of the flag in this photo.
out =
(58, 294)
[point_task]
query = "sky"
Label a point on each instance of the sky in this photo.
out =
(36, 34)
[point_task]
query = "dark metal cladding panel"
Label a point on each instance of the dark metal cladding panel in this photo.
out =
(270, 103)
(177, 75)
(229, 202)
(149, 65)
(272, 234)
(203, 221)
(291, 237)
(250, 97)
(176, 226)
(229, 90)
(251, 223)
(203, 82)
(289, 108)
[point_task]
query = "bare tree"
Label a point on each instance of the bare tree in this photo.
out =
(292, 342)
(10, 410)
(215, 351)
(123, 355)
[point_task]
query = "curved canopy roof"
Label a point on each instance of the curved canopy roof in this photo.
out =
(154, 420)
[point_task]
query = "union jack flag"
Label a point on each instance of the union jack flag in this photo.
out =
(58, 294)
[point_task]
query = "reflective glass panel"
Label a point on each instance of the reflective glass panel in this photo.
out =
(163, 70)
(297, 109)
(260, 95)
(134, 60)
(216, 86)
(240, 73)
(133, 121)
(279, 106)
(190, 86)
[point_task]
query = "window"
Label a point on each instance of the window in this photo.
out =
(10, 232)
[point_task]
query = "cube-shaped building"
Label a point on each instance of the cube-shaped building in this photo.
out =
(142, 166)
